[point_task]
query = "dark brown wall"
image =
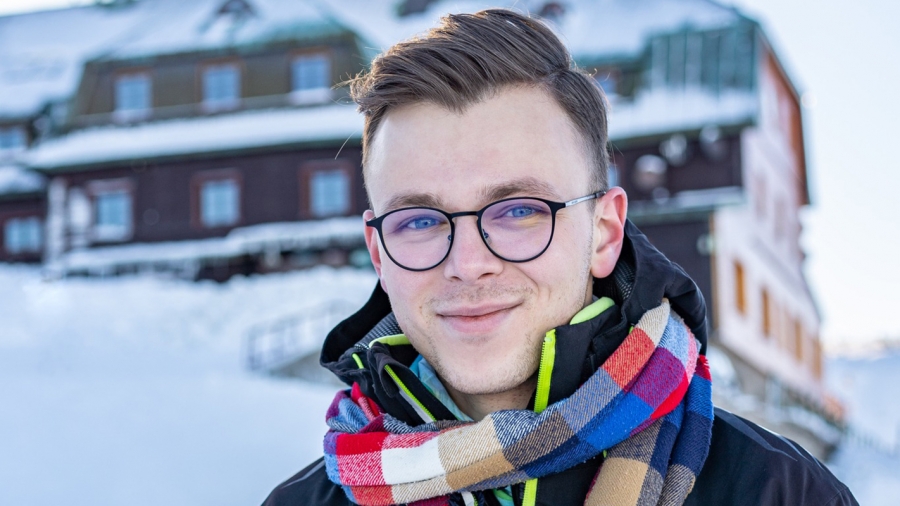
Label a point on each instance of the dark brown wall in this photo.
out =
(173, 85)
(698, 173)
(678, 241)
(12, 207)
(271, 190)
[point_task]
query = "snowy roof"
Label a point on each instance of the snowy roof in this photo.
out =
(42, 53)
(36, 67)
(244, 130)
(286, 236)
(199, 25)
(666, 110)
(590, 28)
(16, 180)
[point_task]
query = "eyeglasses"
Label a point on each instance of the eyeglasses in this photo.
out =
(517, 229)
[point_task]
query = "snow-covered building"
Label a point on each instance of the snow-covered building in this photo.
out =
(191, 123)
(213, 137)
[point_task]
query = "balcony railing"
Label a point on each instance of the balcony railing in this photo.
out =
(283, 347)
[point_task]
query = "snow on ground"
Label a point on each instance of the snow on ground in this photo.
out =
(132, 391)
(873, 476)
(869, 387)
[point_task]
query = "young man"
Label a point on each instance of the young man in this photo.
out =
(526, 344)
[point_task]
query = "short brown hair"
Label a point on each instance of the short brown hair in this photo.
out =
(469, 57)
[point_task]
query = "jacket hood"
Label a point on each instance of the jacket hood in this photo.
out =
(643, 276)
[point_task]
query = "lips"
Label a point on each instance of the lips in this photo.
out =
(476, 311)
(479, 320)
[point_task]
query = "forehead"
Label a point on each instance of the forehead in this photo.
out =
(519, 138)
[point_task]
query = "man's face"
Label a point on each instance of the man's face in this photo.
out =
(477, 319)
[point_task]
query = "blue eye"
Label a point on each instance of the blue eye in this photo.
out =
(520, 211)
(516, 212)
(421, 223)
(414, 222)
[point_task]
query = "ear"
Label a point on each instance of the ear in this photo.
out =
(609, 231)
(373, 245)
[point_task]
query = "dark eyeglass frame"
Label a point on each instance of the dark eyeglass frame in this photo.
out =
(554, 207)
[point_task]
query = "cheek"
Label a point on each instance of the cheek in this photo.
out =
(566, 269)
(407, 292)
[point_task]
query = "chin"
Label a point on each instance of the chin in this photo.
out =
(490, 380)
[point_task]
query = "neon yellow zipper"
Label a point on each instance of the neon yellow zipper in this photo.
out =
(541, 399)
(545, 371)
(417, 404)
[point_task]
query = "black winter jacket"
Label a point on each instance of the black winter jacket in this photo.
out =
(747, 465)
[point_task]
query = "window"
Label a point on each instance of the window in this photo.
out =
(311, 78)
(329, 192)
(12, 138)
(766, 314)
(132, 96)
(221, 86)
(713, 59)
(22, 235)
(112, 215)
(799, 339)
(740, 300)
(817, 358)
(219, 202)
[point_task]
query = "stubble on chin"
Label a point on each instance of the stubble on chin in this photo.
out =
(518, 362)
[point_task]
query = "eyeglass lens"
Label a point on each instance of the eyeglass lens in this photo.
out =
(515, 230)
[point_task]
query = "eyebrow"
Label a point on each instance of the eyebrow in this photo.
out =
(526, 186)
(411, 199)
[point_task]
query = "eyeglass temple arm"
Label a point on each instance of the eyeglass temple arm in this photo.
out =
(595, 195)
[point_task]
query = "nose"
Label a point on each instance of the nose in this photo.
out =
(469, 259)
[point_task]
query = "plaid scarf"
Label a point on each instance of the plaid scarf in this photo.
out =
(649, 405)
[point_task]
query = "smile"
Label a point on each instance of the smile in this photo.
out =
(477, 320)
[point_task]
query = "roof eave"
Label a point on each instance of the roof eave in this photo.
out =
(195, 155)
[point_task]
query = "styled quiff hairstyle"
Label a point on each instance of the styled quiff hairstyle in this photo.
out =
(470, 57)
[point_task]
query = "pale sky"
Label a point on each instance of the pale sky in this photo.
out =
(842, 56)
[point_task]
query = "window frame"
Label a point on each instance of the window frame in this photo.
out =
(14, 129)
(201, 178)
(22, 217)
(126, 115)
(222, 105)
(740, 287)
(312, 95)
(96, 189)
(766, 323)
(305, 174)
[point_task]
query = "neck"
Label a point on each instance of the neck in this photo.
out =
(479, 406)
